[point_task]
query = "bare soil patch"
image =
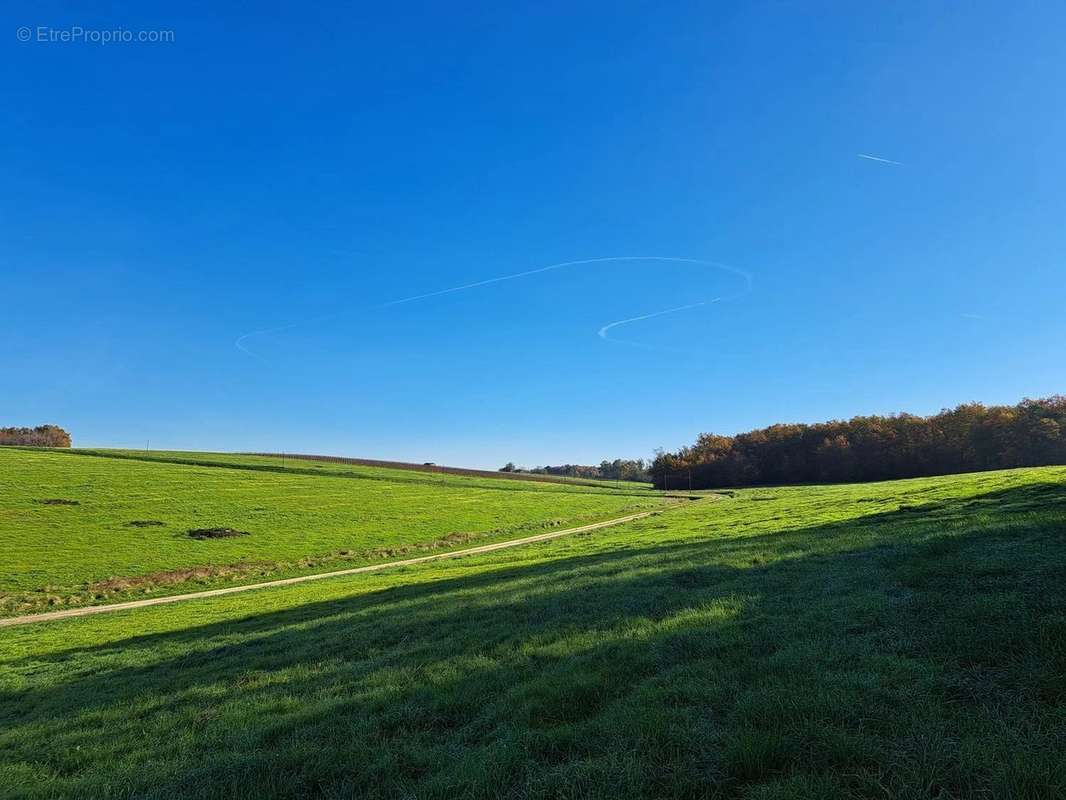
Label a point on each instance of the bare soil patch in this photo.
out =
(170, 577)
(59, 501)
(215, 533)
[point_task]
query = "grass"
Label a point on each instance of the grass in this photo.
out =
(896, 640)
(91, 527)
(313, 465)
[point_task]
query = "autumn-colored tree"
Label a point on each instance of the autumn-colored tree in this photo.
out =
(41, 436)
(968, 438)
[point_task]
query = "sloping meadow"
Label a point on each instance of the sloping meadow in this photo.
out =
(903, 640)
(79, 529)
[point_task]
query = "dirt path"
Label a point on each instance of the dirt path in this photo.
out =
(177, 598)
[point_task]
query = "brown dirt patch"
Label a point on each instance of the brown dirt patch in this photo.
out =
(215, 533)
(173, 576)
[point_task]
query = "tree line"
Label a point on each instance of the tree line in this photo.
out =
(41, 436)
(621, 469)
(969, 438)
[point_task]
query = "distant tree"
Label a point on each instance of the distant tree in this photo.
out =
(623, 469)
(41, 436)
(620, 469)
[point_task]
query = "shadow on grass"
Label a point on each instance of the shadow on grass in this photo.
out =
(921, 651)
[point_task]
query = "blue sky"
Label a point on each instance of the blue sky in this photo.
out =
(295, 167)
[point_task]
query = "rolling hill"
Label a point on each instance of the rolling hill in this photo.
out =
(85, 527)
(902, 639)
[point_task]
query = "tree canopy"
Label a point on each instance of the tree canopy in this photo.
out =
(621, 469)
(969, 438)
(41, 436)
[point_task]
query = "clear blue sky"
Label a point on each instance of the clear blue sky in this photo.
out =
(297, 165)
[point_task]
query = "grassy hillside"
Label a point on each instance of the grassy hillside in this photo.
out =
(367, 469)
(77, 528)
(517, 475)
(896, 640)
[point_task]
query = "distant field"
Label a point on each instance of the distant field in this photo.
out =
(436, 468)
(894, 640)
(366, 468)
(77, 528)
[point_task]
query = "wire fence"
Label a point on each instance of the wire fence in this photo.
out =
(680, 481)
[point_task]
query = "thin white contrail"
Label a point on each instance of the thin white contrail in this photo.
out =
(602, 332)
(881, 160)
(536, 271)
(240, 340)
(239, 343)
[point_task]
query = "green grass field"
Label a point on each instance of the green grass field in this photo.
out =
(127, 537)
(312, 466)
(894, 640)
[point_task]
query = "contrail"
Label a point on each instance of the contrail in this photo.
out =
(881, 160)
(602, 332)
(536, 271)
(239, 343)
(240, 340)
